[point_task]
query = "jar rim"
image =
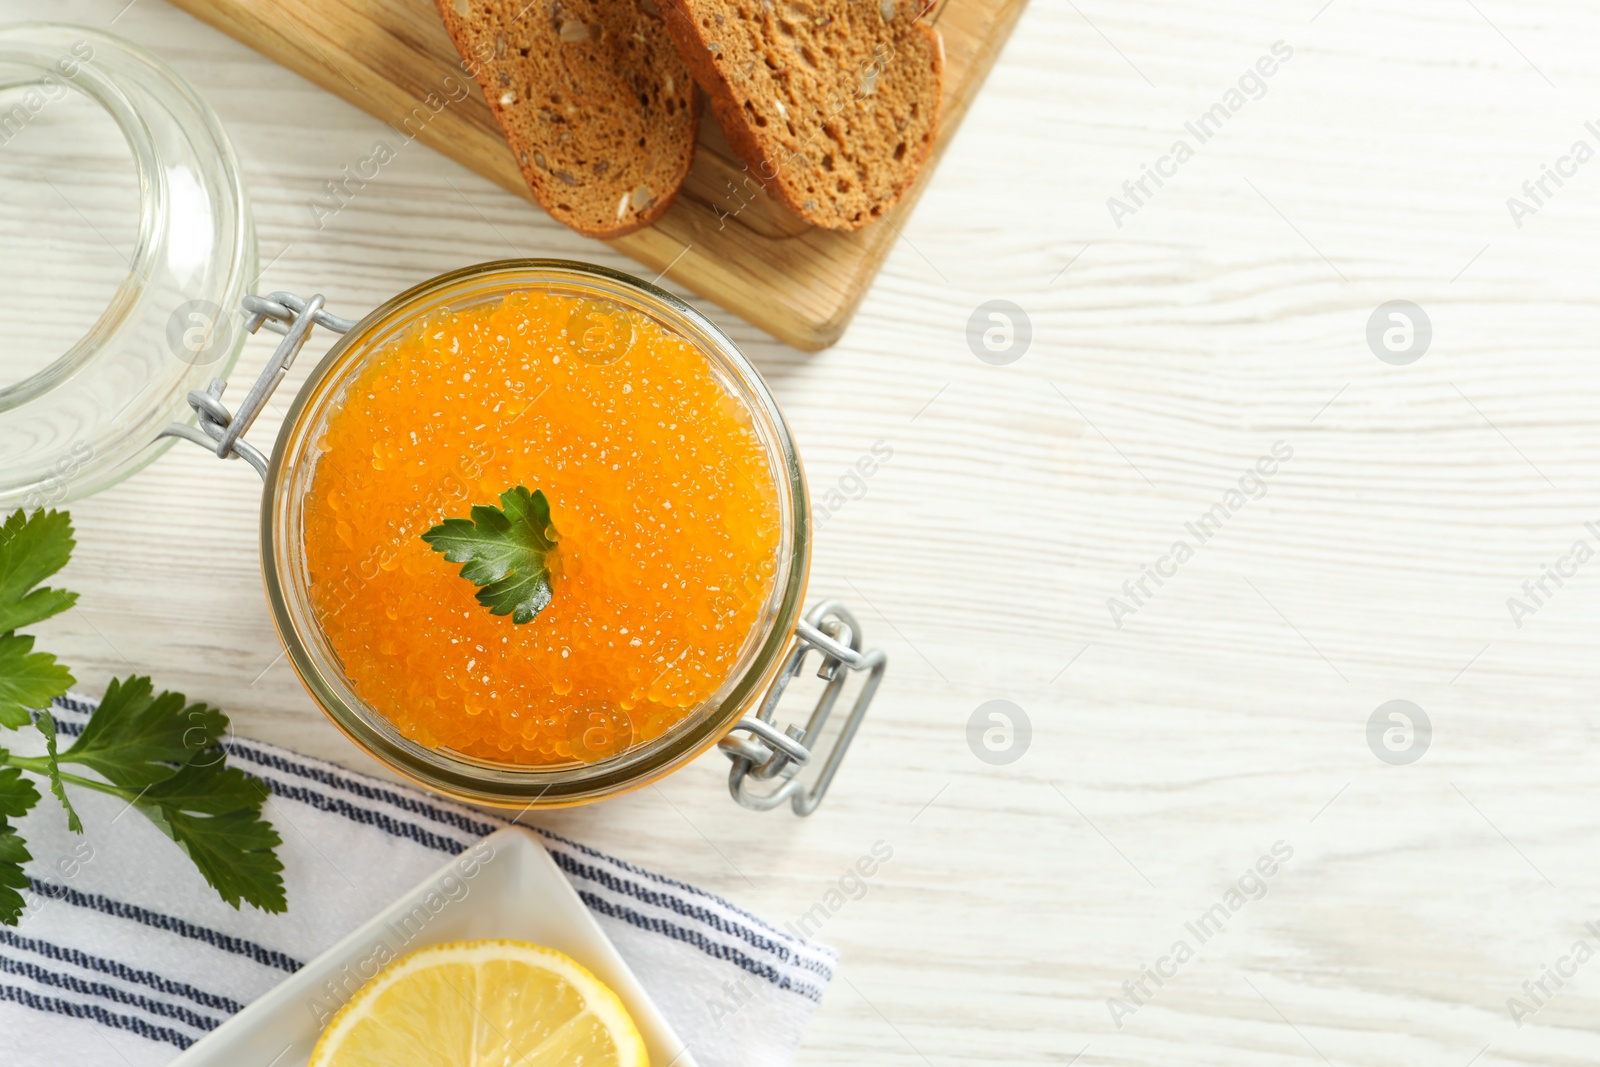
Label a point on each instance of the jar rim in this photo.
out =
(501, 784)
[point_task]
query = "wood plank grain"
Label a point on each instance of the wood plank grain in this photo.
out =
(1178, 747)
(723, 238)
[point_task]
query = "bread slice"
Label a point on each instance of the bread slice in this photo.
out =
(593, 98)
(833, 105)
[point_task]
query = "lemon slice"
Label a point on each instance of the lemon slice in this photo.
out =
(482, 1004)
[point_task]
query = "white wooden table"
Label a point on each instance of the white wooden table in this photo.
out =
(1229, 711)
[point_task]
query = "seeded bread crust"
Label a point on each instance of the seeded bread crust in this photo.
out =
(594, 101)
(833, 105)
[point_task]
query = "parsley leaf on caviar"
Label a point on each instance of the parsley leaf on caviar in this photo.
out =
(155, 751)
(504, 552)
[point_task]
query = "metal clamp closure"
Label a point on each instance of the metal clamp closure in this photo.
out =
(223, 431)
(767, 753)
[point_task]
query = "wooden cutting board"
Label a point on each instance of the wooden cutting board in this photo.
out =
(722, 239)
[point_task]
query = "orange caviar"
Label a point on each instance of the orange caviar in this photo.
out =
(660, 490)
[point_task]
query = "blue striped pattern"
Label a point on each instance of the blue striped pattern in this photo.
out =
(73, 984)
(771, 946)
(170, 923)
(95, 1013)
(57, 953)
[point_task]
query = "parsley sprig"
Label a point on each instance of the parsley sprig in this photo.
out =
(156, 751)
(505, 550)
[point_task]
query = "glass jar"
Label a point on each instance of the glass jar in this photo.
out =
(292, 470)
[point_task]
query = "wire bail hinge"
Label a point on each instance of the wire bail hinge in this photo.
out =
(765, 752)
(223, 431)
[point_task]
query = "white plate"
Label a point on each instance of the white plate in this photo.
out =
(514, 891)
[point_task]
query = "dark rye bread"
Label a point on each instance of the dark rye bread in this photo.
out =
(833, 105)
(593, 98)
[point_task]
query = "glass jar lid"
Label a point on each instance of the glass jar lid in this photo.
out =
(91, 415)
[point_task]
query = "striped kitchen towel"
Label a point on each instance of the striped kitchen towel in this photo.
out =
(125, 956)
